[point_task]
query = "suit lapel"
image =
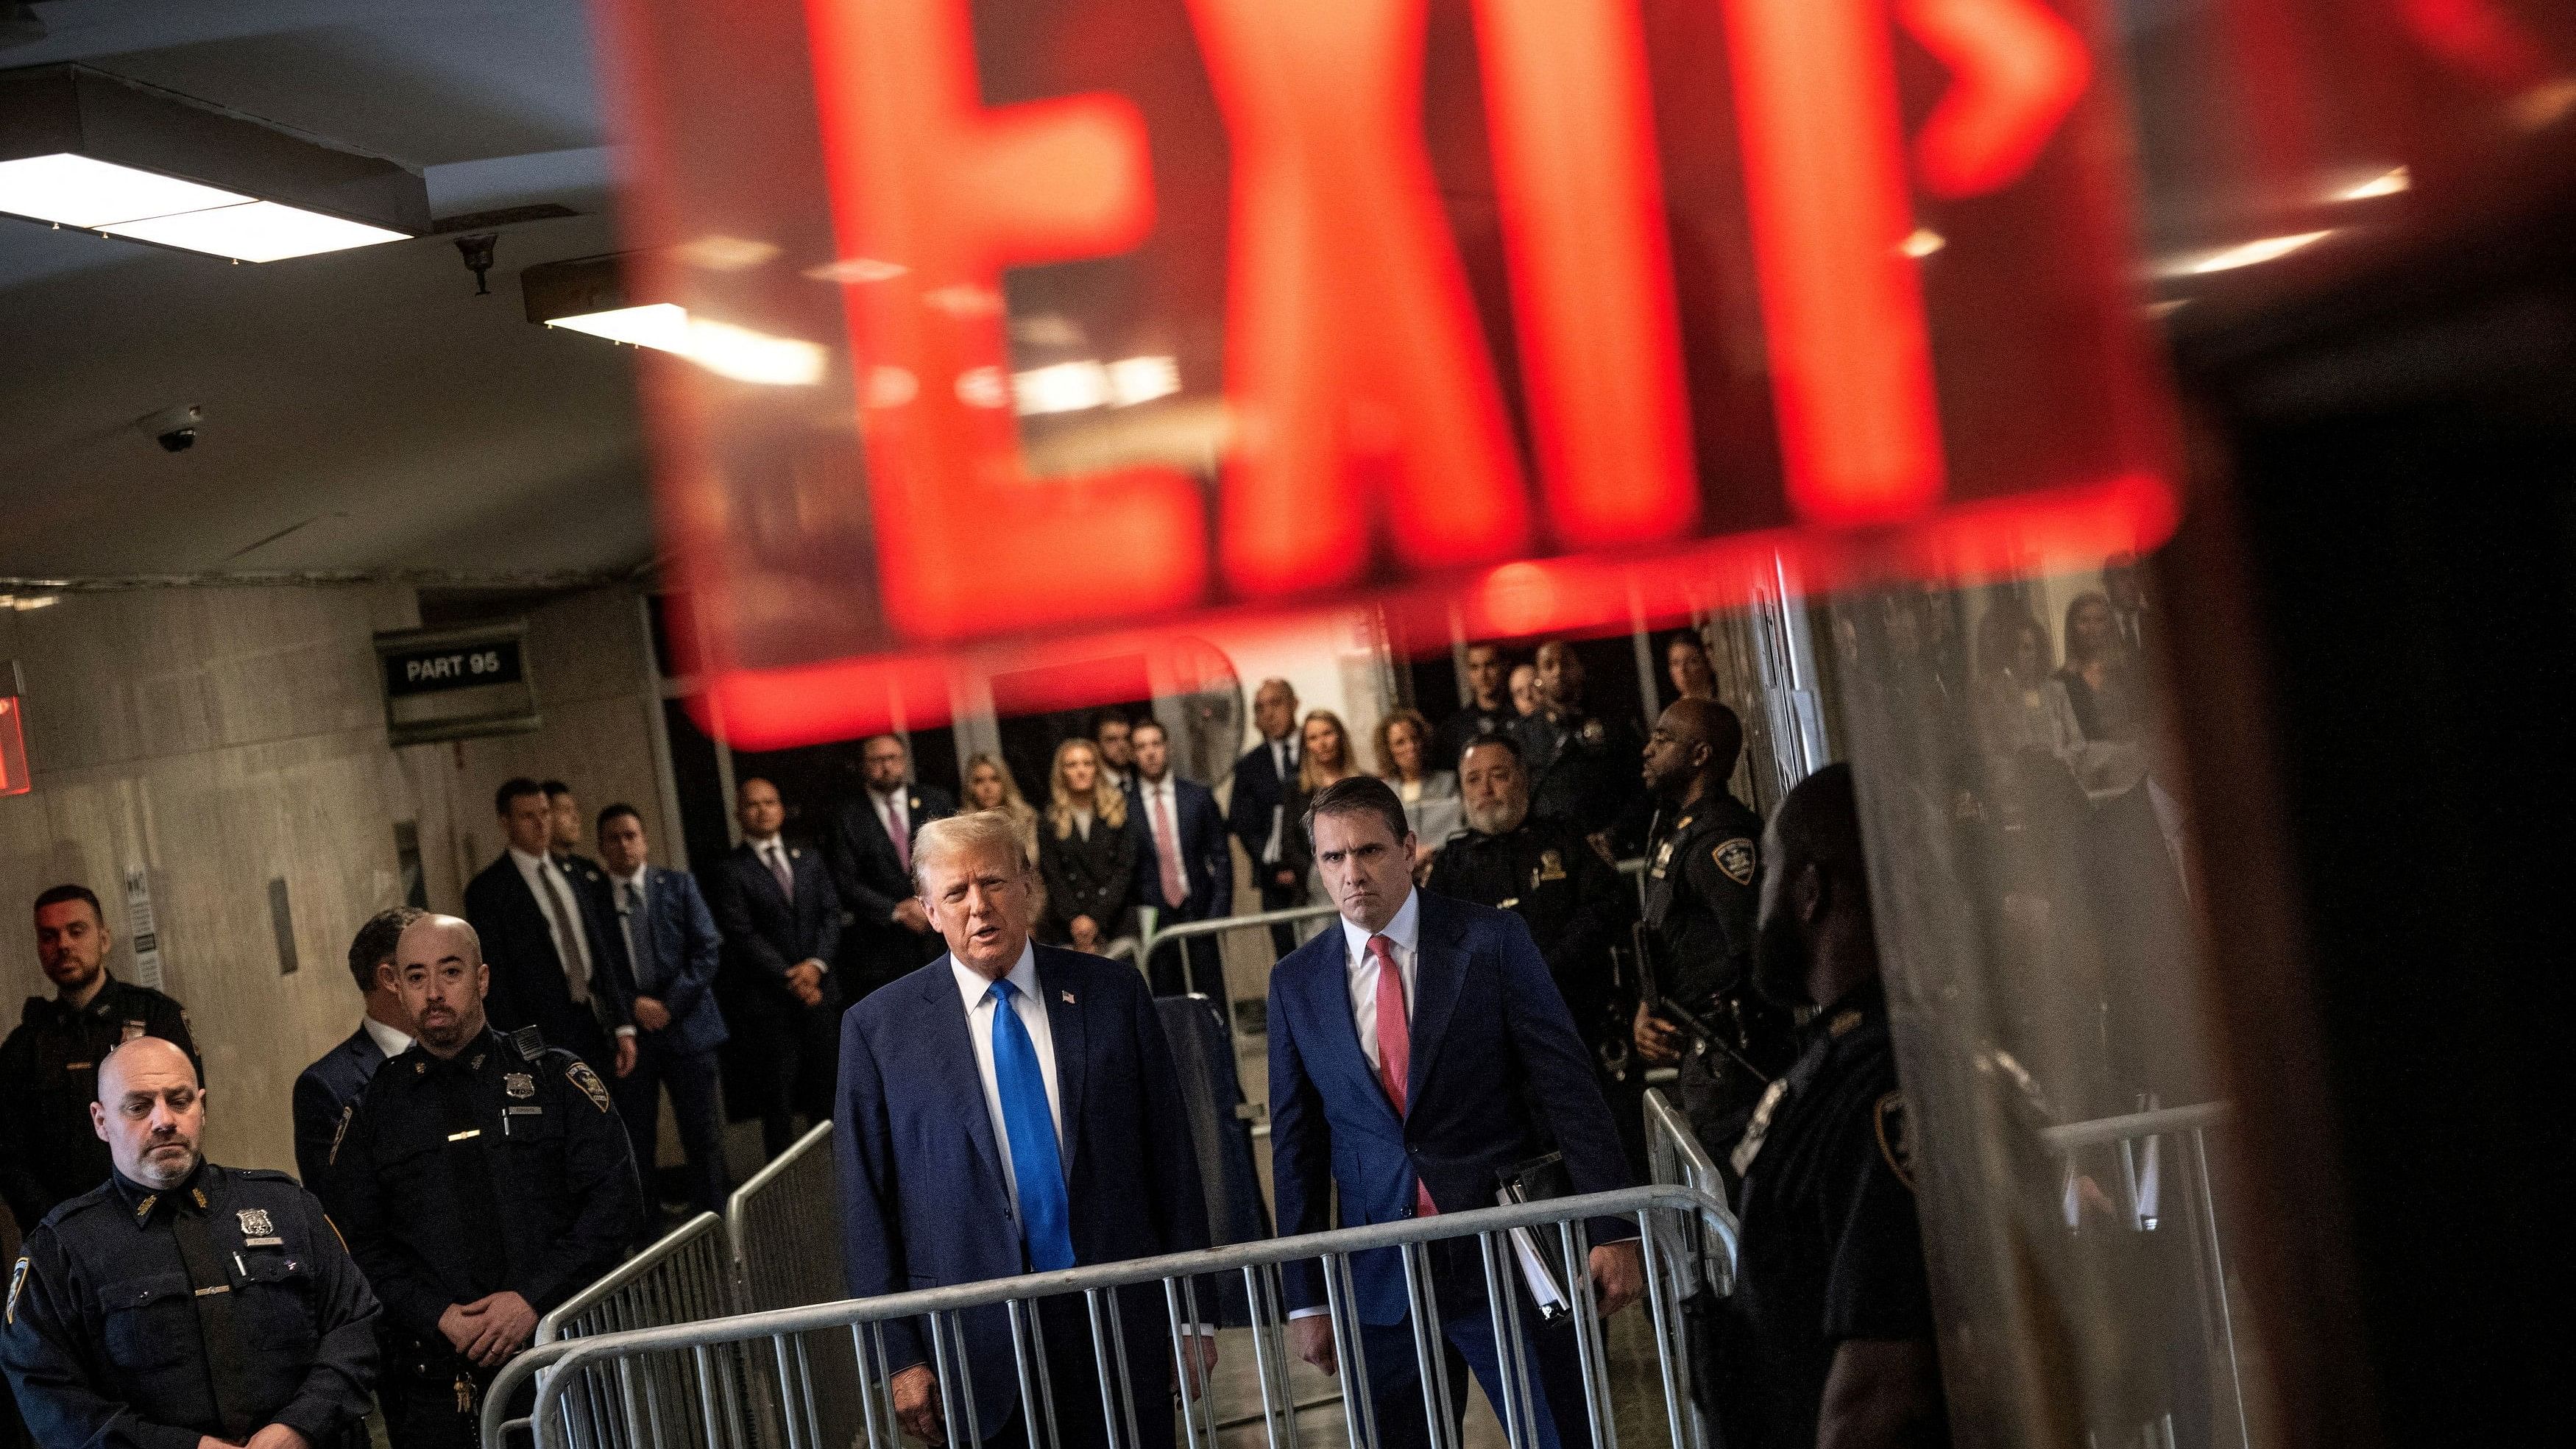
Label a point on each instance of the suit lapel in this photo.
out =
(1064, 1021)
(944, 1027)
(1327, 989)
(1439, 967)
(752, 862)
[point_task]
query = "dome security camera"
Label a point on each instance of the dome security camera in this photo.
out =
(174, 428)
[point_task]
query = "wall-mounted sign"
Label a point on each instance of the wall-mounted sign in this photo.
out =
(454, 684)
(14, 779)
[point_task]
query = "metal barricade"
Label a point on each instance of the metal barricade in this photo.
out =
(2154, 1188)
(785, 1231)
(1498, 1242)
(687, 1277)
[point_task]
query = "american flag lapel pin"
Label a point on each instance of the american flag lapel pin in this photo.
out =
(1068, 997)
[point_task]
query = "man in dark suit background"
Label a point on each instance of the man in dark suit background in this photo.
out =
(1258, 813)
(781, 923)
(326, 1088)
(670, 936)
(1418, 1054)
(1013, 1108)
(1185, 870)
(557, 964)
(869, 850)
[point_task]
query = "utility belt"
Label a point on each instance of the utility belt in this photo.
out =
(1713, 1023)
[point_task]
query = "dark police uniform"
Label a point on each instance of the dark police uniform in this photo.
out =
(1576, 908)
(502, 1167)
(1471, 723)
(1832, 1248)
(49, 1154)
(1582, 768)
(147, 1318)
(1702, 889)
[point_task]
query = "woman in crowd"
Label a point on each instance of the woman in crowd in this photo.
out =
(2018, 705)
(1087, 854)
(1325, 747)
(2100, 677)
(989, 786)
(1431, 802)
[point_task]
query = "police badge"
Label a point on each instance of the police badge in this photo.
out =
(519, 1084)
(1551, 866)
(255, 1223)
(580, 1075)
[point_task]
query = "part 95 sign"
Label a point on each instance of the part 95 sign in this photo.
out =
(453, 684)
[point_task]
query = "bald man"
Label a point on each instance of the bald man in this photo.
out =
(483, 1179)
(179, 1304)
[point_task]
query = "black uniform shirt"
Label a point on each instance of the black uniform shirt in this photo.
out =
(48, 1078)
(494, 1169)
(217, 1307)
(1583, 769)
(1574, 904)
(1832, 1249)
(1702, 887)
(1471, 723)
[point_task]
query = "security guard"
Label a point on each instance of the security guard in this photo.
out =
(1574, 904)
(181, 1301)
(1828, 1336)
(1578, 762)
(49, 1153)
(483, 1180)
(1701, 867)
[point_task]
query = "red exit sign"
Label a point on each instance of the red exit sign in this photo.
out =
(1553, 307)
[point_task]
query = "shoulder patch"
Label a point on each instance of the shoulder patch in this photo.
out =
(580, 1075)
(1894, 1142)
(1736, 858)
(17, 1281)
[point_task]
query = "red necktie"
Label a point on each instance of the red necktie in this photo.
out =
(1167, 844)
(1395, 1043)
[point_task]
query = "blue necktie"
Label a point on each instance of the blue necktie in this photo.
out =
(1045, 1218)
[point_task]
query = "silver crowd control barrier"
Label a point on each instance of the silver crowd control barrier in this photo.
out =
(785, 1233)
(2157, 1165)
(1501, 1238)
(687, 1277)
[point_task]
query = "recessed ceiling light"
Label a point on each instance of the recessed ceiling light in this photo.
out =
(85, 149)
(259, 231)
(73, 190)
(2244, 254)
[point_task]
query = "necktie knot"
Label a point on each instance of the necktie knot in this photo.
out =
(1384, 950)
(1002, 991)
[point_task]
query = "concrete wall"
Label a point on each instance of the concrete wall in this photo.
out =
(219, 738)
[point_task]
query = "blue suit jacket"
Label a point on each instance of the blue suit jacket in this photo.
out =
(322, 1092)
(1498, 1077)
(1205, 862)
(923, 1200)
(676, 954)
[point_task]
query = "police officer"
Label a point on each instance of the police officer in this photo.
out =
(1702, 862)
(1574, 904)
(1828, 1334)
(49, 1153)
(483, 1180)
(1578, 762)
(180, 1302)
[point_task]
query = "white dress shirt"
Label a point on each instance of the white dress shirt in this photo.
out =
(976, 992)
(1359, 963)
(389, 1041)
(537, 871)
(1283, 762)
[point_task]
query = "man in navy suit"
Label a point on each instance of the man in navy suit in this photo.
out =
(326, 1088)
(1184, 871)
(1418, 1055)
(869, 850)
(557, 964)
(1258, 814)
(1013, 1108)
(670, 936)
(781, 922)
